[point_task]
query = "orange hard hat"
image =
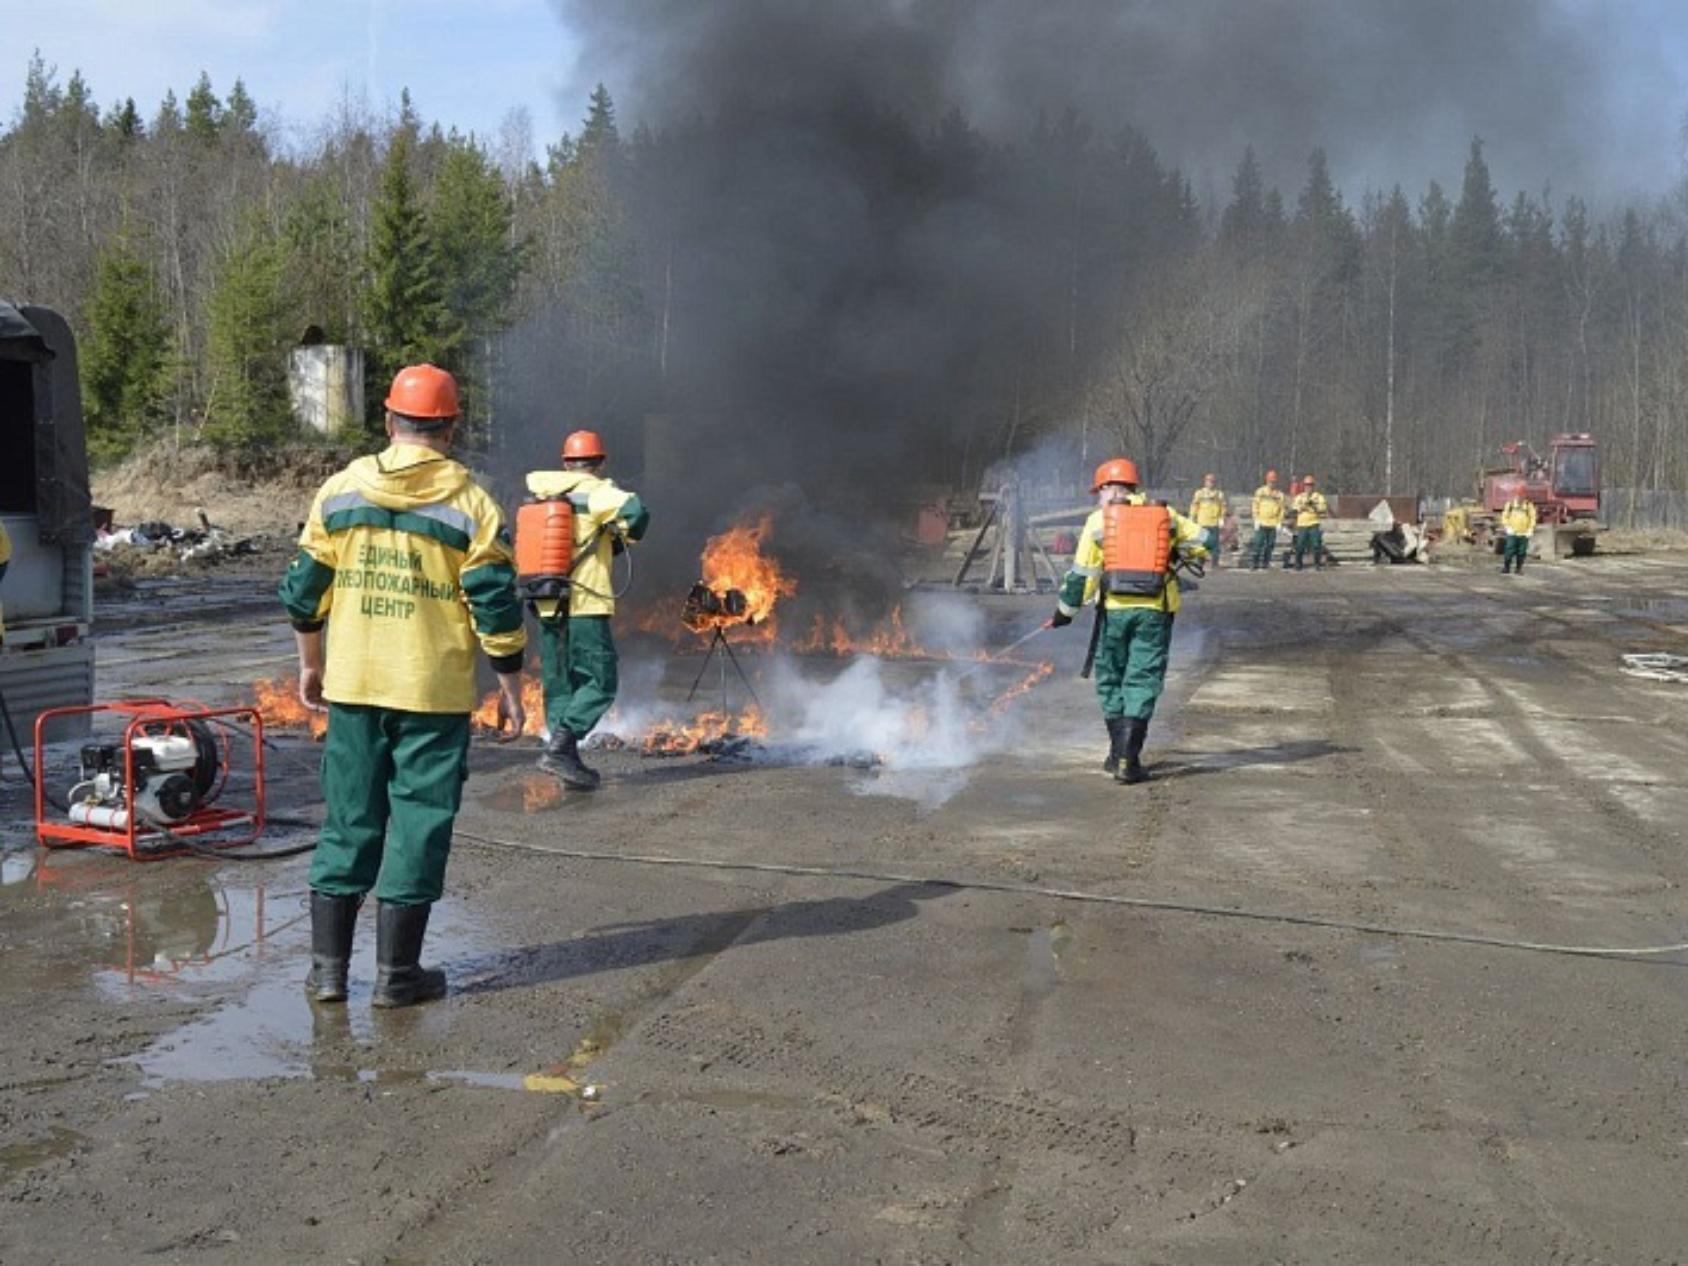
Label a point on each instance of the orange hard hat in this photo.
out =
(423, 391)
(1117, 470)
(583, 446)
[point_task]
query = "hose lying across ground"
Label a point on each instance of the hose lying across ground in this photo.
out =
(975, 885)
(1093, 898)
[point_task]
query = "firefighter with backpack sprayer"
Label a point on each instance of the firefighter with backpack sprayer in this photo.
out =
(578, 663)
(1125, 563)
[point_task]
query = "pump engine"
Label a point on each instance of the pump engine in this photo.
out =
(175, 774)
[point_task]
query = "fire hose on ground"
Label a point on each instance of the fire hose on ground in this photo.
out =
(1163, 905)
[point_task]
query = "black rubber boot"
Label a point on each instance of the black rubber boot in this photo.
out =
(1116, 743)
(562, 758)
(333, 920)
(1131, 768)
(400, 980)
(1520, 562)
(1506, 566)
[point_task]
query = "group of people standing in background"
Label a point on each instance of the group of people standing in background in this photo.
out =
(1304, 503)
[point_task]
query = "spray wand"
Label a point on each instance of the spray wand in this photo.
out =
(997, 656)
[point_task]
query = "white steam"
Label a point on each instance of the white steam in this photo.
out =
(890, 713)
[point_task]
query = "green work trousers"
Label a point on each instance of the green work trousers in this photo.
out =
(577, 666)
(1131, 661)
(1210, 538)
(1260, 548)
(392, 782)
(1516, 548)
(1310, 540)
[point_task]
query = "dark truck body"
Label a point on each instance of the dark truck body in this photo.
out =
(48, 658)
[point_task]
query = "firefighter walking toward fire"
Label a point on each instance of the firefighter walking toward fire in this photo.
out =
(1518, 520)
(408, 562)
(1311, 509)
(1268, 518)
(1207, 508)
(1125, 564)
(578, 663)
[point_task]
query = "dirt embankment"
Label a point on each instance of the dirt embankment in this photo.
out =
(245, 496)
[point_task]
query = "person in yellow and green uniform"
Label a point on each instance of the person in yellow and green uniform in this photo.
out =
(1518, 520)
(577, 655)
(1207, 508)
(1268, 518)
(408, 562)
(1136, 635)
(1310, 509)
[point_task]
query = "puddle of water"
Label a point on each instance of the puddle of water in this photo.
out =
(15, 1158)
(16, 866)
(270, 1029)
(1039, 977)
(1044, 948)
(929, 788)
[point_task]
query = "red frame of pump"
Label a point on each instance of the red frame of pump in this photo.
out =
(144, 716)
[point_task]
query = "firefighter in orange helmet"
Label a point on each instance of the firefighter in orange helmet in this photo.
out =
(578, 663)
(1136, 617)
(407, 561)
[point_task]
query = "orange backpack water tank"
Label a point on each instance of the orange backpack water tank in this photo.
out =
(1136, 549)
(544, 548)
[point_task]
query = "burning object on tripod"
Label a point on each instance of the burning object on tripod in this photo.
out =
(707, 608)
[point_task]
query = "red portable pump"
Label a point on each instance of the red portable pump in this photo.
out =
(157, 789)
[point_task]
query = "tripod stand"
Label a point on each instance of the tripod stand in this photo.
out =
(720, 642)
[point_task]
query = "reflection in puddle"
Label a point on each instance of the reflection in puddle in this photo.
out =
(16, 866)
(534, 792)
(271, 1029)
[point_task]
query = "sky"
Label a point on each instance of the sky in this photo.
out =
(466, 62)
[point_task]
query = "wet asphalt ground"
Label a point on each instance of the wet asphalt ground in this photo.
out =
(685, 1058)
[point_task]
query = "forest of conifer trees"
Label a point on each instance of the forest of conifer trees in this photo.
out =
(1391, 338)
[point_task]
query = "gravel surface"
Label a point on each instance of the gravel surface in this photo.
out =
(647, 1062)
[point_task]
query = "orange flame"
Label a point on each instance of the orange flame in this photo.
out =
(485, 717)
(1037, 674)
(679, 738)
(277, 700)
(890, 639)
(734, 560)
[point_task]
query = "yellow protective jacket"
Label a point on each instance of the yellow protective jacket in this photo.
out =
(1207, 507)
(1518, 516)
(409, 561)
(601, 512)
(1309, 508)
(1084, 578)
(1268, 506)
(5, 561)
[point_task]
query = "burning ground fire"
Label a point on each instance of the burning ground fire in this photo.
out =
(277, 700)
(741, 586)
